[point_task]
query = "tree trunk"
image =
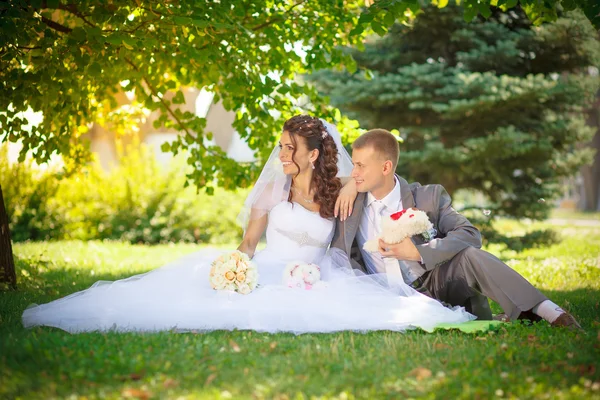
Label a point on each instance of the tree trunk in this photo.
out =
(590, 174)
(7, 263)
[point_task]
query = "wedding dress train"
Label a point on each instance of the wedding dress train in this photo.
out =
(178, 296)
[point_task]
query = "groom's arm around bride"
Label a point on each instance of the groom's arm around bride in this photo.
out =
(451, 267)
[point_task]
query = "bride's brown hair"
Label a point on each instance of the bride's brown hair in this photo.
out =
(324, 181)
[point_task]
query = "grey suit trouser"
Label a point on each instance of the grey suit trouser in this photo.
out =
(471, 277)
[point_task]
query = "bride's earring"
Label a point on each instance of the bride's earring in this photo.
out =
(312, 165)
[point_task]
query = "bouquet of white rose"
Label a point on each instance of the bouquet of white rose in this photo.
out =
(235, 272)
(302, 275)
(402, 225)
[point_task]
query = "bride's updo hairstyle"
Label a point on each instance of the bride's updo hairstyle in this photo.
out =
(324, 181)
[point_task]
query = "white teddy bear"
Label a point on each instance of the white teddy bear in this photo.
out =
(399, 226)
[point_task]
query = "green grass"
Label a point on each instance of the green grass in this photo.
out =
(516, 361)
(571, 214)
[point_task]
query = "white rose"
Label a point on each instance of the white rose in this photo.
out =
(230, 276)
(231, 265)
(244, 288)
(218, 281)
(218, 270)
(251, 275)
(241, 266)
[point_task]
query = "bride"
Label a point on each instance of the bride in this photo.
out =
(293, 202)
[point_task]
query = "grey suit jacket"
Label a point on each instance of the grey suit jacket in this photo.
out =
(454, 231)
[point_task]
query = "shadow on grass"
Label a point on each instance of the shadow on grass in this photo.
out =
(40, 283)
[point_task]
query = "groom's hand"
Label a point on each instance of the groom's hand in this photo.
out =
(405, 250)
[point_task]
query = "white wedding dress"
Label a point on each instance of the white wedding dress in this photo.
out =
(178, 296)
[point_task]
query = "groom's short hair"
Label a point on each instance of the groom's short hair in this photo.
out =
(381, 141)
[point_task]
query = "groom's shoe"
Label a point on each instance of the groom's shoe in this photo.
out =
(524, 315)
(501, 317)
(566, 320)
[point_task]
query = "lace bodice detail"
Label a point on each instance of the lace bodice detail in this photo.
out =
(295, 233)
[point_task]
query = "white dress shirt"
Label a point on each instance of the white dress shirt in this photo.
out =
(370, 226)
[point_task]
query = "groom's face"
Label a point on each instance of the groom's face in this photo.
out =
(369, 169)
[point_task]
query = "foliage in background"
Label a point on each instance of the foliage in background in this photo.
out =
(382, 14)
(71, 60)
(496, 106)
(27, 190)
(139, 201)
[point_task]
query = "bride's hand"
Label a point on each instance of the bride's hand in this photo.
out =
(244, 249)
(345, 200)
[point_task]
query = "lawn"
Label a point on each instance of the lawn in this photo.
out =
(515, 361)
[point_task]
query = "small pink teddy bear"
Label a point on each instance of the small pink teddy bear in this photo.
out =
(301, 275)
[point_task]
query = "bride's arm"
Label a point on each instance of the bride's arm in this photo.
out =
(255, 230)
(345, 200)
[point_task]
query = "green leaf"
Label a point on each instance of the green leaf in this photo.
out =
(389, 19)
(220, 25)
(183, 20)
(591, 10)
(115, 39)
(351, 66)
(78, 34)
(129, 42)
(484, 10)
(178, 98)
(469, 14)
(94, 69)
(357, 30)
(200, 23)
(365, 18)
(378, 28)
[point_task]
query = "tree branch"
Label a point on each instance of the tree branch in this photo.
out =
(56, 26)
(169, 110)
(277, 19)
(267, 23)
(149, 21)
(158, 14)
(155, 93)
(72, 8)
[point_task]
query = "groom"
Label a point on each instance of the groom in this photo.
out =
(451, 268)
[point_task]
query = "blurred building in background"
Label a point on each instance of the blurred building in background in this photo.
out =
(219, 122)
